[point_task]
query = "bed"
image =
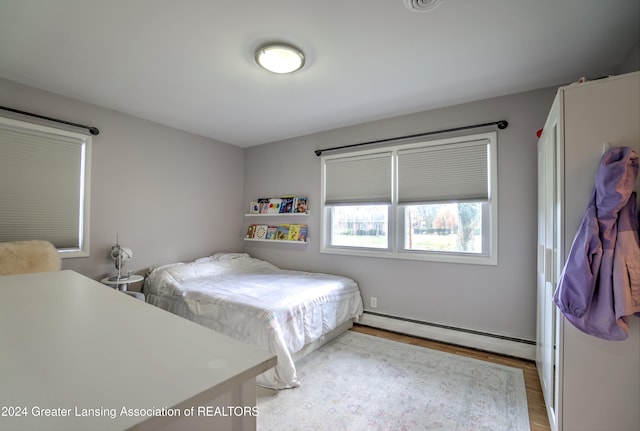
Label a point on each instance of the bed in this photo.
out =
(288, 313)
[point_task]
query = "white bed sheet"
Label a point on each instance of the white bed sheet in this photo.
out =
(254, 301)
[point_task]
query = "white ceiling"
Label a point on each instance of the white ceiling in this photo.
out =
(189, 63)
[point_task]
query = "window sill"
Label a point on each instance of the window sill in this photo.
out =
(459, 258)
(73, 253)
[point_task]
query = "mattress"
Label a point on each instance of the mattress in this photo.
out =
(277, 310)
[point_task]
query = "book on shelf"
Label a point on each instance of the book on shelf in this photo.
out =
(283, 232)
(271, 232)
(294, 231)
(286, 205)
(302, 235)
(300, 204)
(260, 231)
(254, 208)
(274, 206)
(251, 231)
(264, 205)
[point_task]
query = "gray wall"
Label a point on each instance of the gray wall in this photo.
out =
(168, 194)
(171, 195)
(631, 63)
(496, 299)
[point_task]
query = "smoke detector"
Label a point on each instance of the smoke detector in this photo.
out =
(421, 5)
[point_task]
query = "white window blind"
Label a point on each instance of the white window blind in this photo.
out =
(443, 173)
(43, 185)
(358, 180)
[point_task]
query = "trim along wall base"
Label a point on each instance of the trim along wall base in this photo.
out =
(518, 348)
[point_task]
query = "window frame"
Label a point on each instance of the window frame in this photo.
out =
(396, 217)
(83, 179)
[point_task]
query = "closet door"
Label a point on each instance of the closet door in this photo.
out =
(600, 385)
(548, 235)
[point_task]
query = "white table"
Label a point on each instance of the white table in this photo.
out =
(74, 346)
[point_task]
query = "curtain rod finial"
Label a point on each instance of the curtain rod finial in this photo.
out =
(318, 152)
(502, 124)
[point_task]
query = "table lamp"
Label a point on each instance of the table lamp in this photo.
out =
(120, 255)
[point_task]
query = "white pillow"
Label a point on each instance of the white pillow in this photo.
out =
(182, 272)
(204, 259)
(208, 269)
(229, 256)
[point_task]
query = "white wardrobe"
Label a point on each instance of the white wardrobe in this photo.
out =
(588, 383)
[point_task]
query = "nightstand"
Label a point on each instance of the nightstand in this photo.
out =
(123, 283)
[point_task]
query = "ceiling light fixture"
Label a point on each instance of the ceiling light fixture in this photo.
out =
(421, 5)
(279, 58)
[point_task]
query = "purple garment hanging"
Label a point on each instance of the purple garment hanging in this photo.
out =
(599, 287)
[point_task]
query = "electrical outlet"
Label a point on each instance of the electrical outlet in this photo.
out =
(374, 302)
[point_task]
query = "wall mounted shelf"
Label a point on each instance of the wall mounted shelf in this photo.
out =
(277, 241)
(279, 215)
(279, 227)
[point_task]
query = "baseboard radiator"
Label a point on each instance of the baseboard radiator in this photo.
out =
(516, 347)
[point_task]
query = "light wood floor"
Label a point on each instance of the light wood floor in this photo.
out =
(537, 413)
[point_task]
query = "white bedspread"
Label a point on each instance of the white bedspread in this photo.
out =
(254, 301)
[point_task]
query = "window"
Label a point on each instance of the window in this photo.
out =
(434, 200)
(454, 227)
(360, 226)
(44, 186)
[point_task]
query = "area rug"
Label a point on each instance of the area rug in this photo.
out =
(362, 382)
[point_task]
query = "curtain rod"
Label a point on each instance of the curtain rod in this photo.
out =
(502, 124)
(92, 130)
